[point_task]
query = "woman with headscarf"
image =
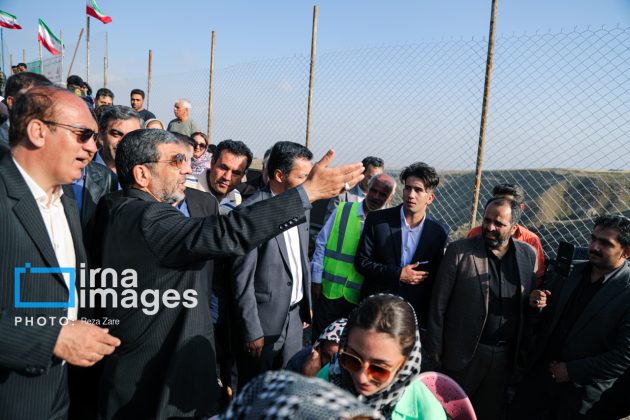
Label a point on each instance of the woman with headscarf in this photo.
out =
(379, 360)
(311, 359)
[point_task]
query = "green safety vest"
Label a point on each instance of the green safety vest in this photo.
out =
(340, 279)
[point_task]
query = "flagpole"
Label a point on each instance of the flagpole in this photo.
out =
(87, 44)
(62, 53)
(149, 76)
(41, 61)
(105, 61)
(23, 55)
(2, 41)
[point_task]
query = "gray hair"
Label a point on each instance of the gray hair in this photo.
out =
(116, 112)
(184, 102)
(139, 147)
(385, 178)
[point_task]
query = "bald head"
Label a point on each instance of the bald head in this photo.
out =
(50, 135)
(381, 189)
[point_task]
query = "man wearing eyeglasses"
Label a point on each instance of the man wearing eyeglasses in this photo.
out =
(114, 122)
(51, 137)
(167, 367)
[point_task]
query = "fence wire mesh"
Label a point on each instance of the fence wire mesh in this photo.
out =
(558, 121)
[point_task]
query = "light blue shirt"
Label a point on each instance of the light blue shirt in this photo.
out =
(410, 238)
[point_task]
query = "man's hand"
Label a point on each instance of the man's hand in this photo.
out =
(312, 364)
(324, 182)
(559, 372)
(538, 298)
(83, 344)
(410, 276)
(316, 291)
(254, 348)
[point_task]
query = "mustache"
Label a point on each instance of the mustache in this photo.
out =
(595, 253)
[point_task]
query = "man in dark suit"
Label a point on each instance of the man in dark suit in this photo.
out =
(166, 366)
(401, 248)
(584, 342)
(478, 308)
(51, 137)
(272, 282)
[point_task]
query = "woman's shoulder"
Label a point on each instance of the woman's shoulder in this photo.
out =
(417, 402)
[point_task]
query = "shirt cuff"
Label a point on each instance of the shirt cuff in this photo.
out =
(305, 201)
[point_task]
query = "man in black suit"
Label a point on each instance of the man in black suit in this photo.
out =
(272, 282)
(165, 366)
(584, 342)
(478, 308)
(51, 137)
(401, 248)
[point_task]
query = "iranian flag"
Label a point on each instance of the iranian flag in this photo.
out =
(48, 39)
(9, 21)
(93, 10)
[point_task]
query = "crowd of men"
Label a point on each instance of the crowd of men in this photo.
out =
(137, 283)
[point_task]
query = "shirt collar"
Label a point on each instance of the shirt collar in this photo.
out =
(38, 192)
(405, 225)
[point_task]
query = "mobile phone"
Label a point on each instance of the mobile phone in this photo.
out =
(422, 266)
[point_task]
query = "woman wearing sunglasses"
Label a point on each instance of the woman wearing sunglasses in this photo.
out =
(379, 360)
(201, 158)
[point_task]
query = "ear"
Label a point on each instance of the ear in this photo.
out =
(626, 252)
(513, 229)
(430, 198)
(522, 206)
(36, 132)
(10, 100)
(141, 175)
(278, 176)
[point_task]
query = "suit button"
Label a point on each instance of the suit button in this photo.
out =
(40, 371)
(288, 283)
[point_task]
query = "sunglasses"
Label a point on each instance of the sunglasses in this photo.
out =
(376, 373)
(84, 133)
(201, 146)
(180, 160)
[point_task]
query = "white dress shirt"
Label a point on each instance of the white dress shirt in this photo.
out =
(54, 217)
(410, 238)
(317, 262)
(292, 241)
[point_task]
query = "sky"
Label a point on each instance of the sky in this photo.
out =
(179, 32)
(260, 101)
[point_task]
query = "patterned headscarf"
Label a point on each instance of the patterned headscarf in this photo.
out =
(288, 395)
(333, 331)
(385, 400)
(200, 164)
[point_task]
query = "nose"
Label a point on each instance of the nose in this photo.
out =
(90, 146)
(186, 169)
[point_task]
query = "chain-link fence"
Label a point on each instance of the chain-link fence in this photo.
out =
(558, 122)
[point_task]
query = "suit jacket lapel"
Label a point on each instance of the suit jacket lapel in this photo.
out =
(480, 259)
(609, 291)
(422, 251)
(72, 212)
(27, 212)
(396, 233)
(92, 187)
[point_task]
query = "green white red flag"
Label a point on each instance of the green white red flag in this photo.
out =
(8, 21)
(93, 10)
(48, 39)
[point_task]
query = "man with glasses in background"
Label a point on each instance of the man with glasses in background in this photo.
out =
(115, 121)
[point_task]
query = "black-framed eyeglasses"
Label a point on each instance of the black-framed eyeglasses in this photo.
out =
(179, 160)
(84, 133)
(201, 146)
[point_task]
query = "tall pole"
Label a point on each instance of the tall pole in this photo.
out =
(62, 54)
(310, 79)
(105, 61)
(484, 114)
(23, 55)
(87, 46)
(2, 42)
(74, 55)
(209, 132)
(41, 61)
(11, 61)
(149, 76)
